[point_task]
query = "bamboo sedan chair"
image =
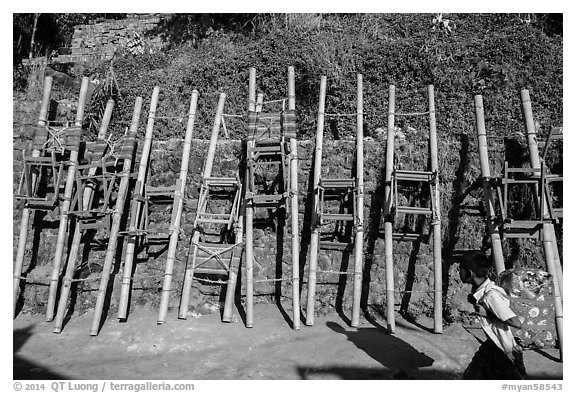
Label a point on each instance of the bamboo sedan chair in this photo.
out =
(503, 223)
(338, 211)
(124, 172)
(49, 164)
(101, 186)
(217, 241)
(398, 206)
(155, 215)
(271, 181)
(94, 181)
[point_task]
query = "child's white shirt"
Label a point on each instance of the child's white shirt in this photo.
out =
(494, 300)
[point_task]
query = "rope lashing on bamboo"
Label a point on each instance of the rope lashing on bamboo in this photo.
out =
(108, 144)
(215, 255)
(340, 114)
(272, 280)
(60, 138)
(402, 291)
(66, 123)
(282, 100)
(172, 228)
(55, 134)
(45, 281)
(136, 232)
(70, 280)
(172, 117)
(112, 148)
(107, 211)
(332, 272)
(35, 280)
(273, 101)
(145, 276)
(211, 281)
(412, 113)
(131, 279)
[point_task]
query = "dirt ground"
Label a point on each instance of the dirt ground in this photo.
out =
(203, 348)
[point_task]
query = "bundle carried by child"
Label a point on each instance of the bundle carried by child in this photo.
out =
(531, 298)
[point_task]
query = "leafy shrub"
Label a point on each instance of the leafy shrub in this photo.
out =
(496, 55)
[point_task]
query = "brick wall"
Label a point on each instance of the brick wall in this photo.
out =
(100, 40)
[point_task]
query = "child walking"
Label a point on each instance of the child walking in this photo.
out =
(499, 357)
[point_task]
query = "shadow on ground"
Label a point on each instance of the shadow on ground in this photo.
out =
(24, 368)
(399, 359)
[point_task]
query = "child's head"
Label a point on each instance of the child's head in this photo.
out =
(474, 264)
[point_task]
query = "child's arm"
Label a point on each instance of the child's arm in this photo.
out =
(512, 321)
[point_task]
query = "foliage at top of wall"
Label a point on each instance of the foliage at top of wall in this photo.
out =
(495, 55)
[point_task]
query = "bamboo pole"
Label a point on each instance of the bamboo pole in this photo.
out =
(549, 239)
(388, 223)
(234, 270)
(436, 224)
(233, 275)
(313, 263)
(65, 206)
(207, 172)
(252, 90)
(489, 203)
(24, 221)
(295, 235)
(116, 221)
(175, 232)
(359, 243)
(549, 235)
(294, 207)
(250, 213)
(189, 273)
(535, 162)
(137, 209)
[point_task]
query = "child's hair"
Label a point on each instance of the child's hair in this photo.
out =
(476, 261)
